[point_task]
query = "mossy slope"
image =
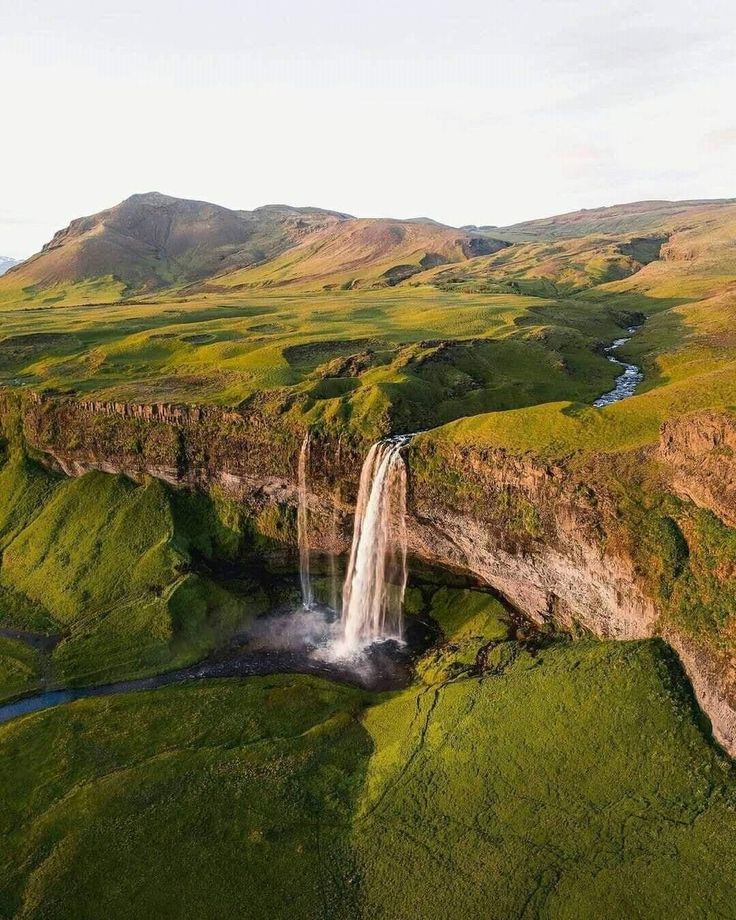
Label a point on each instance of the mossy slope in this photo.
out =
(105, 563)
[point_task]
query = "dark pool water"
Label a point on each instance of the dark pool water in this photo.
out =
(281, 642)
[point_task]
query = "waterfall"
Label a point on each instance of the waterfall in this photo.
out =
(334, 529)
(375, 582)
(302, 525)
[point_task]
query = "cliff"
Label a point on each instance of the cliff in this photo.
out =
(616, 545)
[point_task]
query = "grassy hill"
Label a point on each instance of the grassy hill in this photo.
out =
(636, 217)
(686, 348)
(379, 325)
(378, 359)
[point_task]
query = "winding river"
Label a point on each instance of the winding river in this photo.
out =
(628, 380)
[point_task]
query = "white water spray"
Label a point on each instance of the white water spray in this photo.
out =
(302, 525)
(335, 584)
(375, 582)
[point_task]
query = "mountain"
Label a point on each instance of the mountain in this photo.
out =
(635, 217)
(6, 263)
(364, 253)
(151, 241)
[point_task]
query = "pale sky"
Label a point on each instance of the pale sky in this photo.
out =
(482, 112)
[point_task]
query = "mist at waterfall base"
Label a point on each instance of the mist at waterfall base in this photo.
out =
(362, 629)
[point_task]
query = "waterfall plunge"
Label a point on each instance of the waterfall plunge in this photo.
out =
(302, 526)
(375, 583)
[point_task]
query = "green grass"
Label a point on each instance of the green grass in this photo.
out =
(228, 799)
(21, 668)
(511, 352)
(524, 327)
(531, 358)
(473, 623)
(105, 562)
(575, 783)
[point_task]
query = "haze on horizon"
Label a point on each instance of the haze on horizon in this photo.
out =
(489, 114)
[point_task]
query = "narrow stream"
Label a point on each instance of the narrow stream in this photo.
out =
(626, 382)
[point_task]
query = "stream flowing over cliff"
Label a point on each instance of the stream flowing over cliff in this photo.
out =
(553, 537)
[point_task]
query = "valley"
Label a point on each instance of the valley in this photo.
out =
(189, 395)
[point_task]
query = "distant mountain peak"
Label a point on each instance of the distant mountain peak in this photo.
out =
(6, 263)
(152, 241)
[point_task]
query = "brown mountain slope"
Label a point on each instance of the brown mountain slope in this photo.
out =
(363, 253)
(151, 241)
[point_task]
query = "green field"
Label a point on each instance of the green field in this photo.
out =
(572, 782)
(518, 333)
(421, 357)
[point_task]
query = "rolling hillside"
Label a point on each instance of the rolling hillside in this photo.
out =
(150, 244)
(363, 253)
(635, 217)
(380, 324)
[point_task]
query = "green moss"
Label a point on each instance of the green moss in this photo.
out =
(275, 523)
(521, 516)
(211, 524)
(703, 596)
(472, 623)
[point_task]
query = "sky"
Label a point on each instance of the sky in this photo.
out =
(483, 112)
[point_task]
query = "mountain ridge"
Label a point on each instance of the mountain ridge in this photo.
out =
(152, 242)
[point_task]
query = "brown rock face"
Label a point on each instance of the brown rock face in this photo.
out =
(698, 451)
(549, 536)
(534, 533)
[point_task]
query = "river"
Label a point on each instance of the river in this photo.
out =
(628, 380)
(282, 642)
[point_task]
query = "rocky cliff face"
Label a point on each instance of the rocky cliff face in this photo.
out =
(551, 537)
(536, 532)
(699, 453)
(555, 540)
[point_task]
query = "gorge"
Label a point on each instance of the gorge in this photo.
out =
(550, 538)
